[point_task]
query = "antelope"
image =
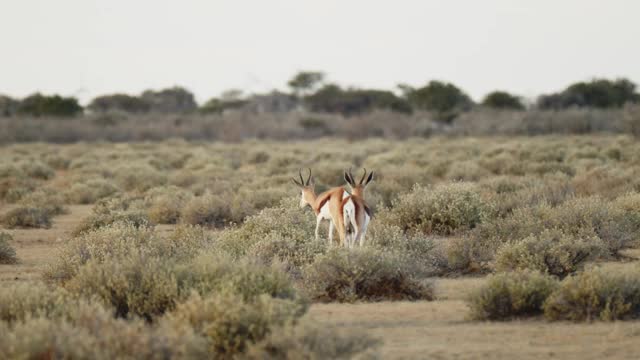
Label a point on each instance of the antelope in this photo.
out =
(326, 206)
(356, 212)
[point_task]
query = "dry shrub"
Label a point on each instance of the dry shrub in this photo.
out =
(552, 252)
(139, 177)
(22, 300)
(362, 274)
(118, 240)
(229, 323)
(7, 252)
(292, 253)
(90, 191)
(213, 273)
(48, 200)
(307, 341)
(128, 209)
(166, 204)
(37, 170)
(285, 221)
(207, 210)
(13, 188)
(93, 333)
(511, 295)
(26, 217)
(415, 251)
(597, 293)
(135, 284)
(443, 209)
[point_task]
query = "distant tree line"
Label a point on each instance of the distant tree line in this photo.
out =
(310, 91)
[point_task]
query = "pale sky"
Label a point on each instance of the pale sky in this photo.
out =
(88, 47)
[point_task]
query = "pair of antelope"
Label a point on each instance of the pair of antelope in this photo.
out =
(347, 212)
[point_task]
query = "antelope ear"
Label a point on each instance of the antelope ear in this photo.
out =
(312, 181)
(369, 178)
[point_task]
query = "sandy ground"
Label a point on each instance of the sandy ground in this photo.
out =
(410, 330)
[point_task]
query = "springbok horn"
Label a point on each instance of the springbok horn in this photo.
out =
(363, 175)
(301, 179)
(309, 178)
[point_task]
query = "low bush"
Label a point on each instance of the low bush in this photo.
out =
(229, 323)
(93, 333)
(7, 252)
(123, 209)
(165, 204)
(37, 170)
(90, 191)
(285, 221)
(552, 252)
(207, 210)
(48, 200)
(443, 209)
(211, 273)
(362, 274)
(22, 300)
(118, 240)
(306, 341)
(597, 293)
(26, 217)
(139, 177)
(511, 295)
(414, 251)
(135, 284)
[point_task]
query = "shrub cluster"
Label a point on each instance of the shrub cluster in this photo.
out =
(443, 209)
(509, 295)
(7, 252)
(362, 274)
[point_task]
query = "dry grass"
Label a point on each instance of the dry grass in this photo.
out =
(587, 187)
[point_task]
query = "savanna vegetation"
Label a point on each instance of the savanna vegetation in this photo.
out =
(198, 249)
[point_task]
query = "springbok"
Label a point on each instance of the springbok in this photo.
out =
(326, 206)
(356, 212)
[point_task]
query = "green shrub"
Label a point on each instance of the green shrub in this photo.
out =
(509, 295)
(293, 254)
(7, 252)
(49, 105)
(229, 323)
(306, 341)
(362, 274)
(442, 209)
(552, 252)
(114, 210)
(90, 191)
(596, 294)
(26, 217)
(207, 210)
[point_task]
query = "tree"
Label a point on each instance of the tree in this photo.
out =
(118, 102)
(54, 105)
(598, 93)
(172, 100)
(8, 106)
(502, 100)
(333, 99)
(444, 99)
(305, 82)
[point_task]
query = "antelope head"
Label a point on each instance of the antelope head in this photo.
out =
(357, 189)
(307, 188)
